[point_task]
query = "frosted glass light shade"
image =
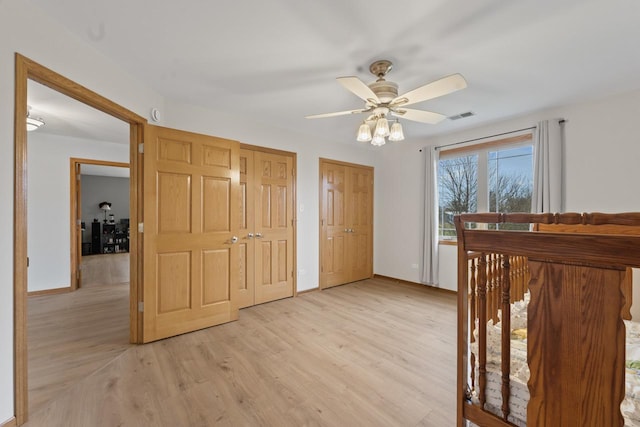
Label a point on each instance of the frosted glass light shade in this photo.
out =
(396, 133)
(378, 141)
(382, 127)
(364, 133)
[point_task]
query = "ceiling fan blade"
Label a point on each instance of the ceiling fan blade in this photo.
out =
(419, 115)
(359, 88)
(337, 113)
(431, 90)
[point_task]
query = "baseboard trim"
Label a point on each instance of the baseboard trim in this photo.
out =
(306, 291)
(53, 291)
(11, 422)
(422, 285)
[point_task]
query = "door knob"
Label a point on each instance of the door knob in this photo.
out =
(258, 235)
(234, 239)
(250, 235)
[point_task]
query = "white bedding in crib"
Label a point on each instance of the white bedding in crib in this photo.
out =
(519, 395)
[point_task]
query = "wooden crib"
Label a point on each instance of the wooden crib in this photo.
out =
(577, 269)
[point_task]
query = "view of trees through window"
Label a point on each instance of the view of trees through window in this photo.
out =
(505, 184)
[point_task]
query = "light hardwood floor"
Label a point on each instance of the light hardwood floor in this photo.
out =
(371, 353)
(72, 335)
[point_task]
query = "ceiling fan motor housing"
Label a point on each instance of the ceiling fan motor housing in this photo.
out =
(385, 90)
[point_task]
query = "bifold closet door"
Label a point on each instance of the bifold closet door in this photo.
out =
(333, 224)
(360, 220)
(346, 223)
(267, 231)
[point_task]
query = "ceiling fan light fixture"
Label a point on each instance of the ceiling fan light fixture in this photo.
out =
(33, 123)
(378, 141)
(364, 133)
(382, 127)
(382, 100)
(396, 133)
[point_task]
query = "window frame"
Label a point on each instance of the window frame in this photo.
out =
(482, 151)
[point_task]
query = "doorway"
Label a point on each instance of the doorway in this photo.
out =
(95, 186)
(27, 70)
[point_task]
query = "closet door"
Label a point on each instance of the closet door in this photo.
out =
(360, 220)
(273, 227)
(266, 226)
(346, 226)
(333, 225)
(246, 281)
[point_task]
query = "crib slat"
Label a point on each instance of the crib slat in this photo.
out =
(492, 289)
(472, 296)
(506, 336)
(482, 329)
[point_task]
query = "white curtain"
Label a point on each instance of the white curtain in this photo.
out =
(547, 167)
(430, 240)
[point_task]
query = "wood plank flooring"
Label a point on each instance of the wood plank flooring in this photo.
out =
(372, 353)
(72, 335)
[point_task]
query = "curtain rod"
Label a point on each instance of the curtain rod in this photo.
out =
(490, 136)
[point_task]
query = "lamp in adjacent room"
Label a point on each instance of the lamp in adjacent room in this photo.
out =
(105, 206)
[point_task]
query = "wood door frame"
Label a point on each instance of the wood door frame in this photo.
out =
(294, 196)
(322, 161)
(73, 209)
(27, 69)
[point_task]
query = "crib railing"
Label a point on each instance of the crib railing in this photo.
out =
(495, 282)
(489, 281)
(495, 276)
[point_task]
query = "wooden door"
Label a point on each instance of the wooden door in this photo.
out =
(246, 280)
(346, 223)
(333, 222)
(360, 221)
(191, 224)
(273, 226)
(76, 281)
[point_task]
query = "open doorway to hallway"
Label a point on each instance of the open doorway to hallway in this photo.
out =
(74, 331)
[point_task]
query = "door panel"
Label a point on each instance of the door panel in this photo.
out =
(334, 227)
(273, 226)
(191, 186)
(361, 222)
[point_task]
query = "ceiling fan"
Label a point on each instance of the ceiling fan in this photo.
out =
(382, 99)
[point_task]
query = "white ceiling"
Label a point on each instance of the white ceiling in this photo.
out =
(276, 61)
(67, 117)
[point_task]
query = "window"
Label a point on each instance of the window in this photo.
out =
(496, 176)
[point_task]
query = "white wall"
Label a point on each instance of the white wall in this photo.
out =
(48, 201)
(602, 153)
(398, 211)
